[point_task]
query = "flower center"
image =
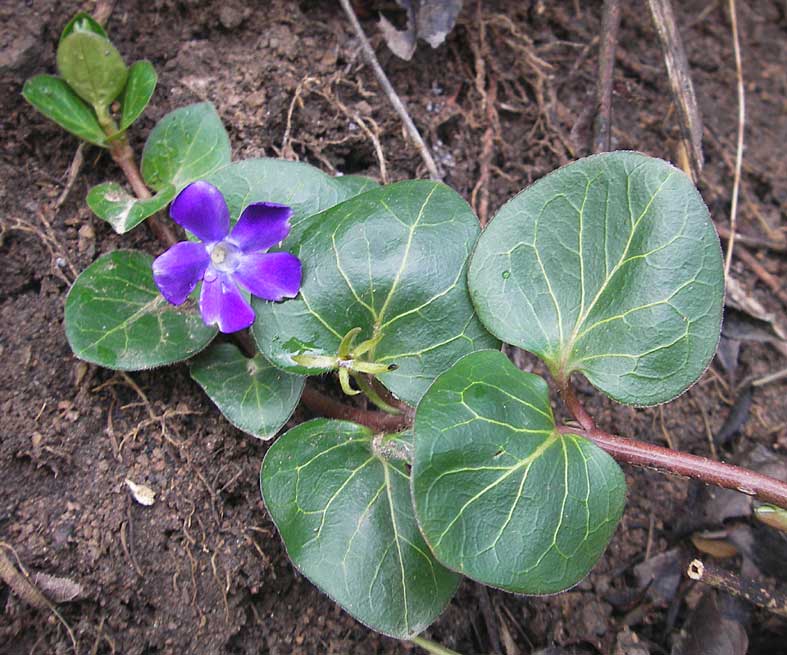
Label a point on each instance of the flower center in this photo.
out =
(225, 257)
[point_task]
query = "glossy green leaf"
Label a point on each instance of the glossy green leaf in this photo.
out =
(356, 184)
(83, 22)
(116, 317)
(392, 262)
(304, 188)
(112, 203)
(611, 267)
(346, 519)
(254, 395)
(57, 101)
(92, 67)
(140, 86)
(501, 496)
(187, 144)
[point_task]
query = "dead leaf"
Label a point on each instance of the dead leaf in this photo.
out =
(57, 589)
(143, 494)
(430, 20)
(715, 627)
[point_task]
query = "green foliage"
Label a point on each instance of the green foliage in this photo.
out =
(112, 203)
(93, 68)
(499, 493)
(82, 22)
(139, 90)
(57, 101)
(345, 515)
(116, 317)
(255, 396)
(188, 144)
(391, 262)
(609, 266)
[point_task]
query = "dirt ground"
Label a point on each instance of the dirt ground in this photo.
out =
(203, 570)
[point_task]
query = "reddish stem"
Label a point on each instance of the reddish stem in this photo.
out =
(319, 403)
(576, 408)
(123, 156)
(666, 460)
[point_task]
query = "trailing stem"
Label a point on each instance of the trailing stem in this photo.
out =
(666, 460)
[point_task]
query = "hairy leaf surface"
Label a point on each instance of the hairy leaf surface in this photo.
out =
(610, 266)
(501, 496)
(116, 317)
(346, 518)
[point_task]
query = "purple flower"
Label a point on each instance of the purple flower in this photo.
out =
(225, 260)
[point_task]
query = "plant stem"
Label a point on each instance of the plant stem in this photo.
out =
(372, 395)
(666, 460)
(123, 156)
(431, 647)
(574, 406)
(321, 404)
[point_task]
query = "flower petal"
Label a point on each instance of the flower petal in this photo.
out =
(222, 304)
(270, 275)
(201, 209)
(261, 225)
(177, 271)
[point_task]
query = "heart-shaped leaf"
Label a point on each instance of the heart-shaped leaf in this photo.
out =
(356, 184)
(116, 317)
(140, 86)
(57, 101)
(609, 266)
(391, 262)
(112, 203)
(501, 496)
(306, 189)
(92, 67)
(187, 144)
(346, 518)
(254, 395)
(83, 22)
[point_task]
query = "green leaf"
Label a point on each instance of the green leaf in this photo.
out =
(92, 67)
(305, 189)
(501, 496)
(392, 262)
(346, 518)
(140, 86)
(356, 184)
(112, 203)
(57, 101)
(116, 317)
(611, 267)
(83, 22)
(187, 144)
(255, 396)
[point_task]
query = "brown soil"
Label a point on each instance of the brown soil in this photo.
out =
(203, 570)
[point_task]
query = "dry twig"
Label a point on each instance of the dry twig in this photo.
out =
(610, 24)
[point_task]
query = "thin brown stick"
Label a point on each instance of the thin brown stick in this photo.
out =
(610, 24)
(397, 103)
(674, 462)
(321, 404)
(773, 283)
(123, 156)
(752, 242)
(677, 64)
(753, 591)
(739, 147)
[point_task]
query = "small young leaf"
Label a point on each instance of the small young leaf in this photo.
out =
(140, 85)
(306, 189)
(255, 396)
(391, 262)
(501, 496)
(112, 203)
(93, 67)
(57, 101)
(116, 317)
(346, 518)
(609, 266)
(187, 144)
(83, 22)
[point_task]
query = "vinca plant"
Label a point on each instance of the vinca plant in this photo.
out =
(609, 268)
